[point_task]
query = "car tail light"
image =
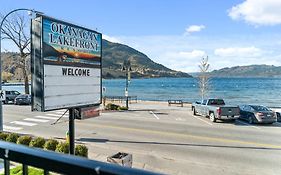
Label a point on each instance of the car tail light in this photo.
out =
(259, 114)
(219, 111)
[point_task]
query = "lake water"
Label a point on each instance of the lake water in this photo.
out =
(265, 91)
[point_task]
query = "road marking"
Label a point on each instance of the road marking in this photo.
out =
(5, 127)
(36, 120)
(173, 134)
(60, 112)
(180, 119)
(57, 115)
(46, 117)
(151, 112)
(23, 123)
(247, 124)
(202, 120)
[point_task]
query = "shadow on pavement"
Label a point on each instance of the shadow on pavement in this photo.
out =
(176, 144)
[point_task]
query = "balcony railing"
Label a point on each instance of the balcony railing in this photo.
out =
(59, 163)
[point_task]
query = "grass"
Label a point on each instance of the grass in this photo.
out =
(31, 171)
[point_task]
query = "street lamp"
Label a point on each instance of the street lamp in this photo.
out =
(127, 68)
(30, 12)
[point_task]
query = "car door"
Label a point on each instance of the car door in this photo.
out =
(242, 112)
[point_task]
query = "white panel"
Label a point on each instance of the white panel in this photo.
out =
(62, 91)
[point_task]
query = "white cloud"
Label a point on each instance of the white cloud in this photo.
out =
(194, 28)
(238, 52)
(257, 12)
(192, 54)
(111, 39)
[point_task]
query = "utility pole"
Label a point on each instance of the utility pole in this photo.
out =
(127, 68)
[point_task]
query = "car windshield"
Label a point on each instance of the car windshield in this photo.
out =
(260, 108)
(22, 96)
(216, 102)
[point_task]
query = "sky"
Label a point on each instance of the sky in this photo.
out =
(177, 33)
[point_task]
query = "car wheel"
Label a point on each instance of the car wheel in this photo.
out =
(212, 117)
(251, 120)
(194, 111)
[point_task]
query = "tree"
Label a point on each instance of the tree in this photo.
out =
(204, 78)
(15, 28)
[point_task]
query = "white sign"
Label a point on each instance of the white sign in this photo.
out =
(66, 65)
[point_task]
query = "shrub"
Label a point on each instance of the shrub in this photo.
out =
(12, 137)
(63, 147)
(24, 140)
(38, 142)
(81, 150)
(51, 145)
(3, 136)
(111, 106)
(122, 108)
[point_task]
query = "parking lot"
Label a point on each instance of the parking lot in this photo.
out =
(163, 138)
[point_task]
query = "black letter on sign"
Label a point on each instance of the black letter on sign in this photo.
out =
(88, 72)
(64, 71)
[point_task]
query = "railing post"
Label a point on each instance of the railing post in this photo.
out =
(7, 167)
(24, 169)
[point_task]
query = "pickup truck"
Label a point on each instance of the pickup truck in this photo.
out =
(215, 109)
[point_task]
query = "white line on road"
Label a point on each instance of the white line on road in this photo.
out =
(36, 120)
(46, 117)
(60, 112)
(151, 112)
(247, 124)
(57, 115)
(202, 120)
(180, 119)
(23, 123)
(5, 127)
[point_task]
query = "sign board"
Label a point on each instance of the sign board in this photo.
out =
(87, 112)
(2, 95)
(66, 65)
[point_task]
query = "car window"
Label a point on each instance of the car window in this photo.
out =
(16, 93)
(7, 92)
(260, 108)
(204, 102)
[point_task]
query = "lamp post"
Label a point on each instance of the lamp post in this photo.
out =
(127, 68)
(30, 12)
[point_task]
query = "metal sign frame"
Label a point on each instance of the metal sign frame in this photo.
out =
(38, 64)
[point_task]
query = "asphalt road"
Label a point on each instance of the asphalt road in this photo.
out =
(164, 139)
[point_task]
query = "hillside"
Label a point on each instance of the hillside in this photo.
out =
(114, 55)
(248, 71)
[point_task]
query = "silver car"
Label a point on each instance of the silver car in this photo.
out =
(257, 114)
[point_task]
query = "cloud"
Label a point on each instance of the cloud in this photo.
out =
(194, 28)
(257, 12)
(111, 39)
(238, 52)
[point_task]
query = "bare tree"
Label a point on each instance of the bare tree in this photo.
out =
(15, 29)
(204, 78)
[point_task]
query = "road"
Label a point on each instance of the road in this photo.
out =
(164, 139)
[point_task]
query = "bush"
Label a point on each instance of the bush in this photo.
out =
(111, 106)
(51, 145)
(3, 136)
(38, 142)
(63, 147)
(24, 140)
(12, 137)
(122, 108)
(81, 150)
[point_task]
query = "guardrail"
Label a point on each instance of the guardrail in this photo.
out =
(59, 163)
(121, 98)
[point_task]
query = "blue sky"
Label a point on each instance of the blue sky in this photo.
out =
(177, 33)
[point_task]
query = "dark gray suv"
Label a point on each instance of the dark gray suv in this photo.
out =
(10, 96)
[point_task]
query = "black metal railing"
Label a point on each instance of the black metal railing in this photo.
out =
(121, 98)
(59, 163)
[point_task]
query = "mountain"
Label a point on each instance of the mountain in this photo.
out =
(248, 71)
(114, 54)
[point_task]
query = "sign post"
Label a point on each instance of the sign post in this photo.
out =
(66, 68)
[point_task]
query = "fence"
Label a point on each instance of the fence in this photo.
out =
(59, 163)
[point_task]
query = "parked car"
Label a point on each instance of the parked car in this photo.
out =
(215, 109)
(10, 96)
(23, 99)
(257, 114)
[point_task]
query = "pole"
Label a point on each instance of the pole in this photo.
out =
(1, 24)
(127, 103)
(71, 131)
